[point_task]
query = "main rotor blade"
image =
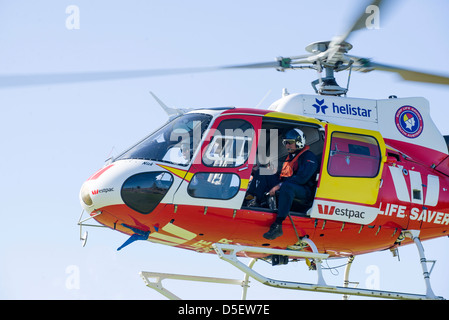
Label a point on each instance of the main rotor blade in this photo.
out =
(280, 62)
(271, 64)
(413, 75)
(359, 23)
(21, 80)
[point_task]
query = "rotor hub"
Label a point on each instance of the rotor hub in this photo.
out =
(322, 46)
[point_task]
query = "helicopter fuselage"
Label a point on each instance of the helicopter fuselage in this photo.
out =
(383, 170)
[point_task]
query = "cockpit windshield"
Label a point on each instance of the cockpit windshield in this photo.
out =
(175, 142)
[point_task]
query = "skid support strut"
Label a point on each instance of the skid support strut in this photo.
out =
(414, 235)
(346, 281)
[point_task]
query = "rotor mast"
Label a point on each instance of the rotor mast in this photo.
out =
(331, 60)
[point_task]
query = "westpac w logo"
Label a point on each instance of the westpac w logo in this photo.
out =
(325, 209)
(426, 194)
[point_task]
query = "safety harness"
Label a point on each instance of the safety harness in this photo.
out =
(291, 166)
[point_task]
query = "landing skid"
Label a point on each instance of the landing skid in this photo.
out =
(153, 280)
(229, 253)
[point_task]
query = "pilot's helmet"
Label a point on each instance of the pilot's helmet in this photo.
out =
(295, 136)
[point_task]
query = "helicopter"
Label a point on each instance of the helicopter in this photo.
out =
(382, 180)
(325, 211)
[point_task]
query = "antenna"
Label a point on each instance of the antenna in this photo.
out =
(171, 112)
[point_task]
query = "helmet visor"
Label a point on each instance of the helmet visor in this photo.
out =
(288, 141)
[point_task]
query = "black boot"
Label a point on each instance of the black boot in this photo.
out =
(274, 232)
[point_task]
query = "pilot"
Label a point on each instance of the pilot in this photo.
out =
(297, 178)
(186, 151)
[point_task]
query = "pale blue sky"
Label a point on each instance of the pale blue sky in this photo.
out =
(55, 136)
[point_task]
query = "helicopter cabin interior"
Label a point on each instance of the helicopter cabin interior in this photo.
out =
(350, 155)
(271, 154)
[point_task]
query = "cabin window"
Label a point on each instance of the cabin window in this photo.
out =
(230, 145)
(213, 185)
(353, 155)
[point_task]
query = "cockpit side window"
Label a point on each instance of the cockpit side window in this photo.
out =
(230, 145)
(175, 142)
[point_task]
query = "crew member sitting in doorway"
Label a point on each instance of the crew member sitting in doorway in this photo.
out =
(297, 178)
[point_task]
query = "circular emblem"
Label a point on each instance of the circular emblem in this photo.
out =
(409, 121)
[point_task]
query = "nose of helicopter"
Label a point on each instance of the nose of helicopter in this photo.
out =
(92, 188)
(125, 184)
